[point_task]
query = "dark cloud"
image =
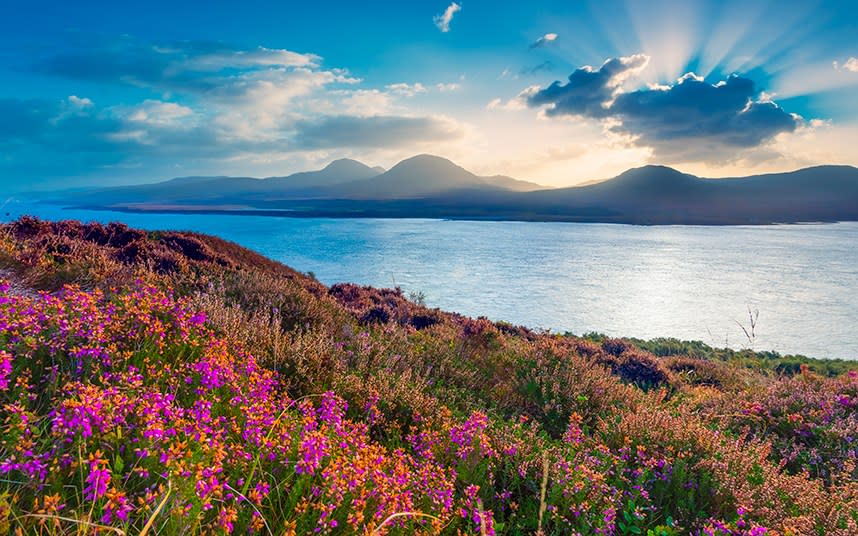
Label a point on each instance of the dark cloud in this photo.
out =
(690, 119)
(191, 66)
(588, 90)
(62, 126)
(373, 132)
(41, 139)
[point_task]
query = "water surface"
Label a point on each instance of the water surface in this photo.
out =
(693, 283)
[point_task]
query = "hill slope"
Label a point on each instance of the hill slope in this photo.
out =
(242, 396)
(657, 194)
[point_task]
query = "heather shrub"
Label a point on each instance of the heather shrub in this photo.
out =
(245, 397)
(379, 306)
(810, 420)
(700, 372)
(137, 398)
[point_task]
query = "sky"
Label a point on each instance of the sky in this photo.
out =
(560, 93)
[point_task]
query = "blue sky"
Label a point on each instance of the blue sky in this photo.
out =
(556, 92)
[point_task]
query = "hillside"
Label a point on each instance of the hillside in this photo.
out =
(433, 187)
(178, 383)
(658, 194)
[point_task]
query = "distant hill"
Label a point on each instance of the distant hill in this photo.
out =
(416, 177)
(208, 190)
(424, 176)
(337, 172)
(660, 195)
(431, 186)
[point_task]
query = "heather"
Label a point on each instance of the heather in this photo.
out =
(174, 383)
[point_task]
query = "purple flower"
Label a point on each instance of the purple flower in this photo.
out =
(5, 369)
(97, 481)
(313, 448)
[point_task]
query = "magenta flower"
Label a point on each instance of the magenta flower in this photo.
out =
(5, 369)
(313, 449)
(97, 481)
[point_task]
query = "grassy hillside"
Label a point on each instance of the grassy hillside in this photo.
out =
(175, 383)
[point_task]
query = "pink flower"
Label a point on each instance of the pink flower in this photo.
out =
(467, 435)
(313, 448)
(98, 479)
(5, 369)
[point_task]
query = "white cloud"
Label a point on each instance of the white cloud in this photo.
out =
(75, 106)
(258, 104)
(850, 65)
(405, 89)
(155, 112)
(258, 57)
(519, 102)
(544, 40)
(443, 20)
(80, 102)
(444, 88)
(367, 102)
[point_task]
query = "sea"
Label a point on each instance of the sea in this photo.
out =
(798, 282)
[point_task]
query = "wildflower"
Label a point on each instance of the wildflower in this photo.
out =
(332, 410)
(5, 369)
(574, 435)
(198, 319)
(226, 518)
(467, 435)
(117, 507)
(313, 449)
(473, 510)
(98, 478)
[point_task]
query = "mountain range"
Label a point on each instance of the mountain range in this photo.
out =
(431, 186)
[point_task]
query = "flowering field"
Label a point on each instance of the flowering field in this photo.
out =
(170, 383)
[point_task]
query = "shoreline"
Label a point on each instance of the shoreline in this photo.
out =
(377, 214)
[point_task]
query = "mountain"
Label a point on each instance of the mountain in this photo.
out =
(424, 176)
(434, 187)
(337, 172)
(659, 195)
(228, 190)
(416, 177)
(650, 195)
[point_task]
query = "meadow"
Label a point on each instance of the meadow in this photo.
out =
(175, 383)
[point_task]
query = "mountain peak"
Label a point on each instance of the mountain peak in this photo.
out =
(654, 176)
(346, 164)
(649, 170)
(342, 170)
(429, 163)
(426, 158)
